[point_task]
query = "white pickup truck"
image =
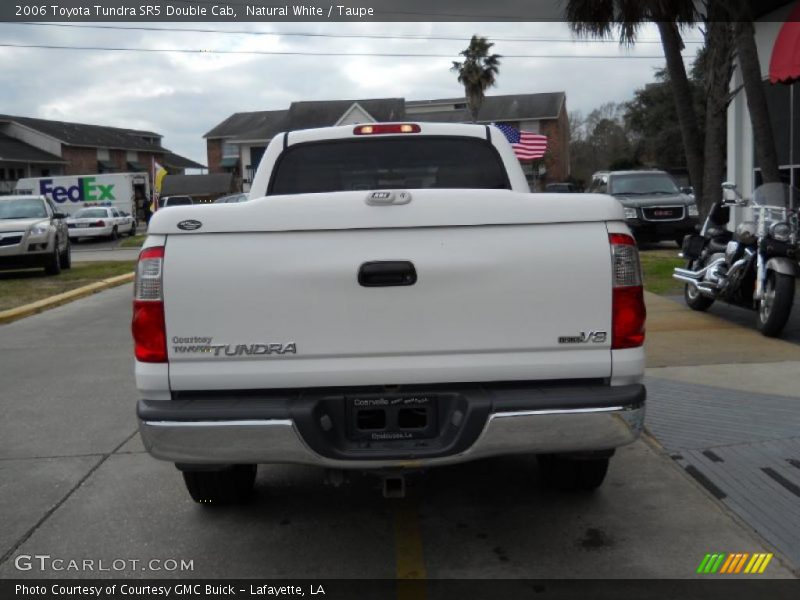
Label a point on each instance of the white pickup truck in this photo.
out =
(391, 298)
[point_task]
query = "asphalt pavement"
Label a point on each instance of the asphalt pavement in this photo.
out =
(75, 483)
(103, 249)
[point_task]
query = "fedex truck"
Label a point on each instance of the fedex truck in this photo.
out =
(129, 192)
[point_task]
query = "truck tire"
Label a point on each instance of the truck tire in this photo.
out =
(217, 488)
(53, 264)
(694, 299)
(776, 306)
(65, 258)
(573, 474)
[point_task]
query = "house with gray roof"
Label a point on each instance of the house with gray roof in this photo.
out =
(237, 144)
(31, 147)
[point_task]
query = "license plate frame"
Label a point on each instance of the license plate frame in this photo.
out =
(392, 417)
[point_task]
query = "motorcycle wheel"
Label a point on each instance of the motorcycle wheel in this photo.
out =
(776, 305)
(694, 299)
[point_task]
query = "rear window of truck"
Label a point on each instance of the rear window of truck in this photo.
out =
(388, 163)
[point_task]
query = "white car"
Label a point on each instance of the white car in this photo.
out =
(100, 221)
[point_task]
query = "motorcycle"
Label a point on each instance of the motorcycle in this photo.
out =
(754, 267)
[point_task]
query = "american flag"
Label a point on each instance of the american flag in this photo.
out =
(527, 145)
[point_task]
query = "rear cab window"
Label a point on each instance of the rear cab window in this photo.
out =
(388, 163)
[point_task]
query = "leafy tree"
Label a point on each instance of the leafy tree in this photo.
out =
(729, 33)
(652, 122)
(592, 18)
(600, 141)
(477, 72)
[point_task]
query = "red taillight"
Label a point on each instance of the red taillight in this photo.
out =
(386, 128)
(148, 326)
(621, 239)
(628, 310)
(628, 319)
(98, 224)
(149, 333)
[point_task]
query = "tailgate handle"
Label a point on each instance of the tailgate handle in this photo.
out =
(387, 273)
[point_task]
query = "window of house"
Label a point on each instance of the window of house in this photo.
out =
(102, 154)
(132, 156)
(230, 150)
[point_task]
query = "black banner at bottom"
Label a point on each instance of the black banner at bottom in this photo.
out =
(378, 589)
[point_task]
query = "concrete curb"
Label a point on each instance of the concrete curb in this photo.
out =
(13, 314)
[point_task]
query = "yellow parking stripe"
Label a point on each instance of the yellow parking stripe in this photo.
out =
(408, 551)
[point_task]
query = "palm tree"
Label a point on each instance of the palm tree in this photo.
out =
(747, 55)
(589, 18)
(477, 72)
(714, 67)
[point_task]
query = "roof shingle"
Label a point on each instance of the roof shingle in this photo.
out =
(264, 125)
(12, 149)
(99, 136)
(516, 107)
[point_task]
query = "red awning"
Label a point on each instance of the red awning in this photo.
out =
(784, 65)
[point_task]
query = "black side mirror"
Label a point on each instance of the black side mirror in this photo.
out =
(689, 190)
(59, 215)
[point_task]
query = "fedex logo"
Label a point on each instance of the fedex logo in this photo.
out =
(86, 190)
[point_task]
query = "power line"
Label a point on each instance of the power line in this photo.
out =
(382, 13)
(306, 53)
(377, 36)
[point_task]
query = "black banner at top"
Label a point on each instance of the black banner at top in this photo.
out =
(277, 11)
(281, 10)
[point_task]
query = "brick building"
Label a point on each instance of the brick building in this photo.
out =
(237, 144)
(39, 148)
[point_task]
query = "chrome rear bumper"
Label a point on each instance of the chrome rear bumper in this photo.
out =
(279, 441)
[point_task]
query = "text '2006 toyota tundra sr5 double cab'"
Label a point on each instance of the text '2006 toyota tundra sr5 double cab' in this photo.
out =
(392, 298)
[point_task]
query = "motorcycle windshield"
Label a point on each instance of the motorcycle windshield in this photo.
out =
(776, 195)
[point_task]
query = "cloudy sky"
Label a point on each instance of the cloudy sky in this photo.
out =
(183, 95)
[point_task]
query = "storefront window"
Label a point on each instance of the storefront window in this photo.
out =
(783, 103)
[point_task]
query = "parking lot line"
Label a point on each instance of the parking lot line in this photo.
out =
(410, 563)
